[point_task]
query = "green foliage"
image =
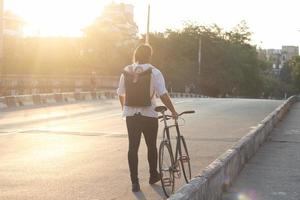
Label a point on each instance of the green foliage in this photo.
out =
(109, 43)
(294, 66)
(229, 64)
(277, 88)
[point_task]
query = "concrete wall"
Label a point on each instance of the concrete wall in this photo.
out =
(217, 177)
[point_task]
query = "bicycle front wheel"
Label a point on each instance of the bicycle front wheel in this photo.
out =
(166, 163)
(185, 161)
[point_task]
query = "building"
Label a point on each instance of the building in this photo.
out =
(288, 52)
(12, 25)
(278, 57)
(119, 18)
(1, 32)
(274, 56)
(119, 12)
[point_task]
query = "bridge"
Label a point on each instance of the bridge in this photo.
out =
(78, 149)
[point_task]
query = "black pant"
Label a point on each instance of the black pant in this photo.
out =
(136, 125)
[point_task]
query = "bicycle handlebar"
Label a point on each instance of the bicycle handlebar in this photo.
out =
(187, 112)
(170, 116)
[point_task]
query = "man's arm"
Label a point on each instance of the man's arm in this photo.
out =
(160, 89)
(121, 91)
(122, 101)
(165, 98)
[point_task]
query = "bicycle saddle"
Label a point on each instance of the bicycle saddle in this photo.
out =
(160, 108)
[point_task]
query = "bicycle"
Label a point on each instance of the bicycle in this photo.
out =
(171, 165)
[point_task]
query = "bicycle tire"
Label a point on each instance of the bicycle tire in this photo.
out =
(185, 161)
(166, 162)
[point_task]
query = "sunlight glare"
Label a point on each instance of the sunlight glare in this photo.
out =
(56, 17)
(68, 17)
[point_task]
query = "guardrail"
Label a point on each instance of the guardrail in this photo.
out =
(50, 98)
(218, 176)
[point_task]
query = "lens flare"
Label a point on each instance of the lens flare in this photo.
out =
(248, 195)
(243, 197)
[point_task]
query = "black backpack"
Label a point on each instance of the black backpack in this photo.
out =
(137, 88)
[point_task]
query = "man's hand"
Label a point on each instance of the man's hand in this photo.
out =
(168, 103)
(175, 115)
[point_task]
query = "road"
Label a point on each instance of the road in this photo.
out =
(79, 151)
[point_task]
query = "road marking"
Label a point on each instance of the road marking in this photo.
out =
(183, 101)
(293, 132)
(80, 133)
(3, 133)
(59, 122)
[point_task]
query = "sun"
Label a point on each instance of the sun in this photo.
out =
(56, 17)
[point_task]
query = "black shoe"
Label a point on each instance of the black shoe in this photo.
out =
(135, 187)
(154, 179)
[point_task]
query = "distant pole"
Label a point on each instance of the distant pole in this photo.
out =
(199, 55)
(148, 26)
(1, 33)
(298, 46)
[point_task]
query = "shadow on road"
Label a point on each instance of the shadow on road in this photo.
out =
(157, 188)
(159, 191)
(140, 195)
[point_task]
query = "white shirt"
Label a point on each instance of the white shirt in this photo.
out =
(157, 86)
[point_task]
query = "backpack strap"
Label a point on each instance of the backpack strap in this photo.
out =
(136, 75)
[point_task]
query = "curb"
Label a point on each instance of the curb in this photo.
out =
(2, 102)
(218, 176)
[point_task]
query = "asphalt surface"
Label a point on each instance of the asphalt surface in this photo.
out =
(274, 172)
(79, 151)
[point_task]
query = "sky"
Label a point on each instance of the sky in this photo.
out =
(273, 22)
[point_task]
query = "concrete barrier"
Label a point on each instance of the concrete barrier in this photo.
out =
(10, 101)
(50, 98)
(101, 95)
(68, 97)
(184, 95)
(218, 176)
(24, 100)
(36, 99)
(78, 96)
(58, 97)
(2, 102)
(94, 95)
(87, 96)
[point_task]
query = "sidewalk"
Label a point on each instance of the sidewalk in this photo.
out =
(274, 172)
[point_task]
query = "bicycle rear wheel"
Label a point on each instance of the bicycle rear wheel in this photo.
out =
(166, 162)
(185, 161)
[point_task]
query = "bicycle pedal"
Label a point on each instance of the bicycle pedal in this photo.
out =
(167, 182)
(185, 158)
(176, 170)
(177, 174)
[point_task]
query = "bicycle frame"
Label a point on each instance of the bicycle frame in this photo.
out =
(167, 138)
(176, 161)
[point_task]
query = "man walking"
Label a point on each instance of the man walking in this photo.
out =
(139, 84)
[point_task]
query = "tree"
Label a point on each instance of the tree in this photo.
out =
(229, 63)
(110, 40)
(295, 72)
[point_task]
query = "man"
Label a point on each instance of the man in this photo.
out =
(139, 84)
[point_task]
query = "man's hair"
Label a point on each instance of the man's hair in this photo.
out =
(142, 54)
